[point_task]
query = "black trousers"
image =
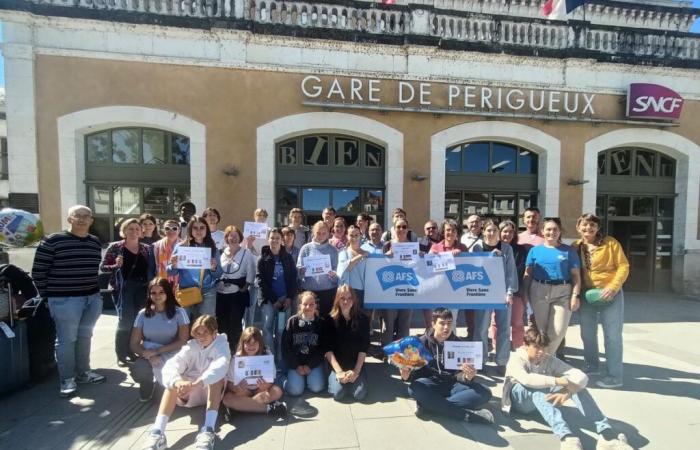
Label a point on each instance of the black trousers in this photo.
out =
(230, 310)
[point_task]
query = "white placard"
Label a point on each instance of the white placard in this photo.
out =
(251, 368)
(317, 265)
(460, 352)
(440, 262)
(259, 230)
(405, 251)
(193, 257)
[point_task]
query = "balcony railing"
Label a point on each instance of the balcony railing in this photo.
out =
(416, 23)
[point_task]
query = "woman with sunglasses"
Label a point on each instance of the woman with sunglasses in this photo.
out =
(509, 235)
(552, 283)
(605, 267)
(198, 235)
(401, 316)
(162, 250)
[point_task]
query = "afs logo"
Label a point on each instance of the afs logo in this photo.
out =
(467, 274)
(391, 276)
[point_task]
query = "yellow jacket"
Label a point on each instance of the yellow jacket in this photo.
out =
(609, 267)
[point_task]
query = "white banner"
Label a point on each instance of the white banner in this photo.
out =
(477, 282)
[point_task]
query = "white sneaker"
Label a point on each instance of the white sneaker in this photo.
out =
(154, 440)
(90, 377)
(205, 439)
(616, 444)
(571, 443)
(68, 387)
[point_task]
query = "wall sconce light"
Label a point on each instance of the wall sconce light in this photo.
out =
(573, 182)
(231, 171)
(415, 176)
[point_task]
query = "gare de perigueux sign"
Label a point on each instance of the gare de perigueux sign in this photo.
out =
(463, 99)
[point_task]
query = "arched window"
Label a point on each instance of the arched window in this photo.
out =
(315, 171)
(489, 179)
(131, 171)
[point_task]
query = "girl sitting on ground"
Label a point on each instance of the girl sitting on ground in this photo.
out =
(301, 348)
(264, 396)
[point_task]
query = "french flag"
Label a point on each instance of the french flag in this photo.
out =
(558, 9)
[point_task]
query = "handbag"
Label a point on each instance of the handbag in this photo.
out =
(593, 296)
(192, 295)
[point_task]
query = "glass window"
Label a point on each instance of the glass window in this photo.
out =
(287, 198)
(503, 205)
(621, 162)
(373, 201)
(316, 151)
(475, 203)
(315, 199)
(667, 167)
(645, 163)
(504, 159)
(665, 207)
(527, 162)
(154, 147)
(101, 228)
(618, 206)
(643, 206)
(346, 200)
(125, 146)
(347, 152)
(179, 196)
(287, 153)
(602, 157)
(453, 159)
(156, 200)
(600, 206)
(99, 199)
(374, 156)
(127, 200)
(476, 157)
(452, 201)
(98, 148)
(179, 150)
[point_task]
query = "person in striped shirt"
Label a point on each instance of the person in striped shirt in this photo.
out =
(65, 271)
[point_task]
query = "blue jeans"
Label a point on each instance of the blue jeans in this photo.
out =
(208, 306)
(272, 328)
(339, 391)
(526, 400)
(447, 397)
(611, 316)
(75, 318)
(128, 302)
(481, 332)
(249, 319)
(294, 384)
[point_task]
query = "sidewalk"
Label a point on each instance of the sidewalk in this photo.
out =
(658, 408)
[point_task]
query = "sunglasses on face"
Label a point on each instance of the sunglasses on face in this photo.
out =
(401, 227)
(171, 228)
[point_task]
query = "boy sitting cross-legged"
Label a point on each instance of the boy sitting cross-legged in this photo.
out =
(451, 393)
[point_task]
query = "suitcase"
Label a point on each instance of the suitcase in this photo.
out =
(14, 358)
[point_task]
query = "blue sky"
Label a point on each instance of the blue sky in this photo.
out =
(695, 29)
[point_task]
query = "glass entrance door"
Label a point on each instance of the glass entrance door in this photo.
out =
(636, 239)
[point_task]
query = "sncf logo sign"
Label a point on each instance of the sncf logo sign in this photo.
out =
(651, 101)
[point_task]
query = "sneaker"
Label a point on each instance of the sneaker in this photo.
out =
(146, 391)
(591, 370)
(483, 416)
(500, 371)
(571, 443)
(205, 439)
(609, 383)
(68, 387)
(419, 411)
(277, 409)
(616, 444)
(90, 377)
(154, 440)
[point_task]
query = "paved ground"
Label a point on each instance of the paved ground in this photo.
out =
(658, 407)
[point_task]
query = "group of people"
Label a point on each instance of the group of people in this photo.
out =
(317, 327)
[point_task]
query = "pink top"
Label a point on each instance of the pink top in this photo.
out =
(527, 238)
(339, 243)
(441, 246)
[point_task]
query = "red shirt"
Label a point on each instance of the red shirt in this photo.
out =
(529, 239)
(442, 247)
